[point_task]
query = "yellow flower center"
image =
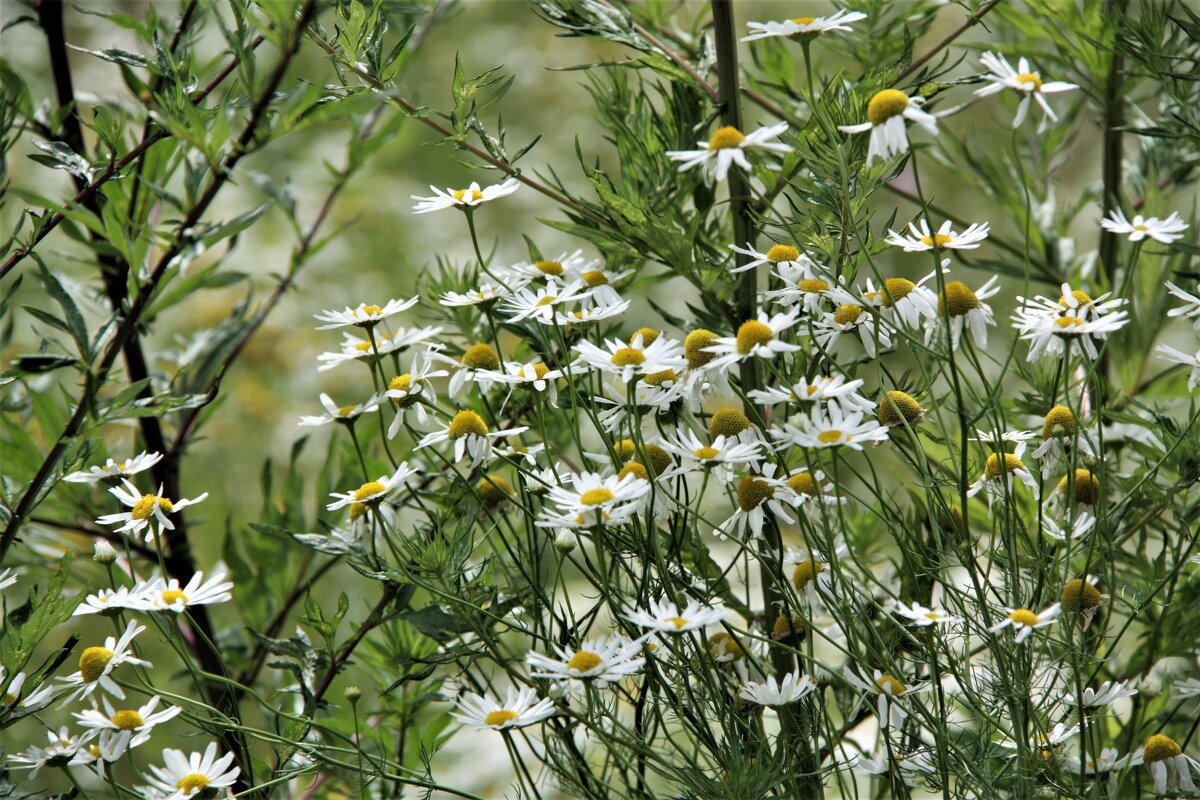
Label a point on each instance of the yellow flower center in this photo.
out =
(937, 240)
(368, 490)
(998, 463)
(549, 267)
(678, 622)
(752, 492)
(1029, 77)
(803, 483)
(1059, 422)
(191, 783)
(628, 357)
(727, 422)
(1160, 748)
(693, 347)
(898, 407)
(1087, 486)
(594, 278)
(805, 572)
(467, 423)
(705, 453)
(595, 497)
(368, 310)
(845, 315)
(144, 508)
(659, 378)
(889, 685)
(725, 138)
(958, 298)
(128, 720)
(1023, 616)
(583, 661)
(1079, 595)
(803, 20)
(498, 719)
(751, 334)
(92, 662)
(459, 194)
(813, 286)
(832, 436)
(649, 336)
(885, 105)
(172, 596)
(783, 252)
(481, 356)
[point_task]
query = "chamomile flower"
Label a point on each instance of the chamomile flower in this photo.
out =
(593, 499)
(803, 26)
(831, 426)
(136, 723)
(343, 414)
(727, 147)
(638, 357)
(755, 494)
(144, 511)
(1179, 357)
(412, 390)
(1169, 767)
(891, 694)
(542, 304)
(755, 338)
(779, 256)
(966, 309)
(487, 294)
(1190, 307)
(182, 777)
(1164, 231)
(998, 472)
(470, 435)
(465, 199)
(61, 747)
(609, 658)
(378, 345)
(793, 687)
(886, 113)
(519, 708)
(849, 317)
(1023, 80)
(112, 470)
(719, 455)
(96, 664)
(169, 596)
(373, 492)
(110, 601)
(1024, 621)
(912, 303)
(921, 239)
(923, 617)
(666, 617)
(364, 315)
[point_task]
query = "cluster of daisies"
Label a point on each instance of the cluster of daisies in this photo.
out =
(106, 724)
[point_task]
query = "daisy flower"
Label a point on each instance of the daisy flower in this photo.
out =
(998, 472)
(595, 500)
(803, 26)
(355, 349)
(966, 309)
(115, 469)
(665, 616)
(636, 358)
(1180, 357)
(170, 597)
(516, 710)
(61, 747)
(110, 601)
(343, 414)
(407, 391)
(470, 435)
(1164, 231)
(780, 256)
(912, 303)
(465, 199)
(97, 663)
(727, 147)
(1169, 767)
(756, 492)
(364, 316)
(609, 658)
(921, 239)
(541, 305)
(144, 511)
(486, 294)
(848, 318)
(1190, 308)
(886, 114)
(1023, 80)
(133, 725)
(923, 617)
(831, 426)
(887, 690)
(187, 776)
(755, 338)
(793, 687)
(1024, 622)
(373, 492)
